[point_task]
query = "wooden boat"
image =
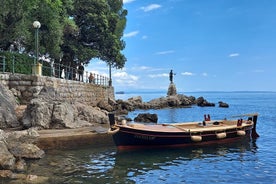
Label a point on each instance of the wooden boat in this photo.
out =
(135, 135)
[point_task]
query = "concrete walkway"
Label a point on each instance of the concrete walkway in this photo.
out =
(74, 138)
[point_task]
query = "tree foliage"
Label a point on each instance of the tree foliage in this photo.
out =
(13, 26)
(74, 30)
(111, 52)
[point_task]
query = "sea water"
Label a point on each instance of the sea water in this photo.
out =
(249, 161)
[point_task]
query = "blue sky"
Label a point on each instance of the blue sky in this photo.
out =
(211, 45)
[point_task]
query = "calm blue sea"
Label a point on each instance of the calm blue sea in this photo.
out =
(251, 161)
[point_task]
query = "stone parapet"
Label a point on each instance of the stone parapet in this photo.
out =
(29, 86)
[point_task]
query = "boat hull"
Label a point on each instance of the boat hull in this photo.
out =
(129, 138)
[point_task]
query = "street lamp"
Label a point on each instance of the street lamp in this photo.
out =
(36, 25)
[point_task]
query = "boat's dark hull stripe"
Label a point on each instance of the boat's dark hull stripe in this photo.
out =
(221, 141)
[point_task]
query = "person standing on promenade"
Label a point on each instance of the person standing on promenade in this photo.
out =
(91, 78)
(80, 72)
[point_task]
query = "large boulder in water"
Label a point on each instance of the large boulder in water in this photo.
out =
(223, 104)
(203, 103)
(146, 118)
(159, 103)
(186, 100)
(178, 100)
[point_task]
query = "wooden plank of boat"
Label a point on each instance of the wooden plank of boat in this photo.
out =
(153, 128)
(177, 126)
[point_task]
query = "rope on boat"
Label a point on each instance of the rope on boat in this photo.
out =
(110, 131)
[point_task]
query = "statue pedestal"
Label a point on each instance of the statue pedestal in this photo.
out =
(171, 90)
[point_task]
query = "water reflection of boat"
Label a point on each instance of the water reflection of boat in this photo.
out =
(128, 136)
(138, 162)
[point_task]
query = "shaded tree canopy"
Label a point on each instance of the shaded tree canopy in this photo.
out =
(72, 30)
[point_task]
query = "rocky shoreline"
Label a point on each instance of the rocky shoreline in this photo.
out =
(19, 124)
(15, 148)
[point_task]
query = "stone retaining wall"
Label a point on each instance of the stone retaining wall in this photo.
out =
(26, 87)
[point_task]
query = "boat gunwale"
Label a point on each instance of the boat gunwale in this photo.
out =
(178, 134)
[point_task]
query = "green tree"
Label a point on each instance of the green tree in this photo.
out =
(13, 24)
(111, 52)
(91, 18)
(80, 30)
(52, 15)
(17, 17)
(100, 28)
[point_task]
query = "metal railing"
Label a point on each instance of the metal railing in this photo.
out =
(13, 65)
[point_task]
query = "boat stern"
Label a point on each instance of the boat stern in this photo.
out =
(254, 131)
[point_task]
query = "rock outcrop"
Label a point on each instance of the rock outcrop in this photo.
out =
(15, 146)
(46, 110)
(173, 101)
(146, 118)
(223, 104)
(203, 102)
(171, 90)
(45, 115)
(8, 105)
(7, 160)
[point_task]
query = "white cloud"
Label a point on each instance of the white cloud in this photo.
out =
(147, 68)
(187, 74)
(159, 75)
(128, 1)
(99, 62)
(97, 66)
(150, 7)
(258, 71)
(140, 68)
(204, 74)
(144, 37)
(165, 52)
(234, 55)
(131, 34)
(123, 78)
